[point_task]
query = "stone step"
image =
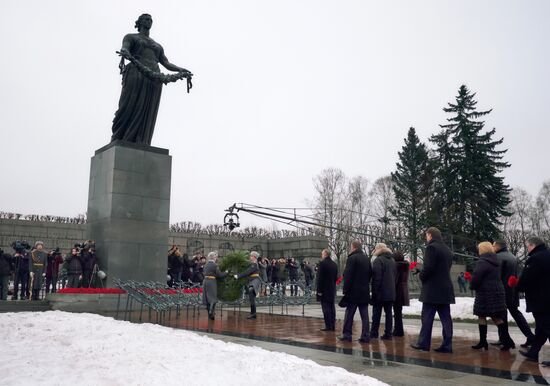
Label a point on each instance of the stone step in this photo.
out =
(24, 306)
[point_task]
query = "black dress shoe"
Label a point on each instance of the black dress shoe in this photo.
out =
(545, 363)
(361, 340)
(326, 329)
(419, 348)
(527, 344)
(344, 338)
(529, 356)
(443, 350)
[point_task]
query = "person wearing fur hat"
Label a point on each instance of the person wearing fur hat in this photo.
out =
(490, 300)
(254, 282)
(210, 285)
(39, 263)
(384, 274)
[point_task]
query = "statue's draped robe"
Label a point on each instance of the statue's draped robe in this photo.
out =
(140, 97)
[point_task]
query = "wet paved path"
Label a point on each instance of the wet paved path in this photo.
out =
(391, 361)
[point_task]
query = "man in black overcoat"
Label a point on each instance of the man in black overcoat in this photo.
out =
(357, 277)
(534, 281)
(326, 289)
(509, 267)
(437, 293)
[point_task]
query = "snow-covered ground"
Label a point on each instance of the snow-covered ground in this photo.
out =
(463, 309)
(59, 348)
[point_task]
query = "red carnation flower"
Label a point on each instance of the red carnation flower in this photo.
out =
(468, 276)
(512, 281)
(413, 265)
(339, 280)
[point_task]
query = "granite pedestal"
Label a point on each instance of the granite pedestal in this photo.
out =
(128, 210)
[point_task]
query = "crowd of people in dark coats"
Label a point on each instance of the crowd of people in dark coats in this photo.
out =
(279, 273)
(35, 272)
(382, 281)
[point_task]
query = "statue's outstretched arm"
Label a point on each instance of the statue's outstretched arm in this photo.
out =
(169, 66)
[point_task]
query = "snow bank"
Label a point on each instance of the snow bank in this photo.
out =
(59, 348)
(463, 309)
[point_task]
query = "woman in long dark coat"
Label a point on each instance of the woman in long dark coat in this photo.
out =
(401, 292)
(490, 299)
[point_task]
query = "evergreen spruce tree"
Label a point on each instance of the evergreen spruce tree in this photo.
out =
(410, 181)
(473, 195)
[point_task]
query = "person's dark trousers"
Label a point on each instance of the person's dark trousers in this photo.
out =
(377, 315)
(4, 284)
(54, 284)
(348, 320)
(293, 289)
(50, 284)
(86, 276)
(252, 299)
(23, 279)
(398, 320)
(521, 322)
(329, 314)
(428, 314)
(542, 332)
(73, 281)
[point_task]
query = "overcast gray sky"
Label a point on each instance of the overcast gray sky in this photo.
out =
(282, 90)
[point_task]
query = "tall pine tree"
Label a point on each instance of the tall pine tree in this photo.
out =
(472, 194)
(410, 181)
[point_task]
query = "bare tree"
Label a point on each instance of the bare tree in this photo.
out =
(330, 209)
(382, 199)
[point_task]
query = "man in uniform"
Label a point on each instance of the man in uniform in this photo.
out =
(39, 263)
(254, 282)
(209, 285)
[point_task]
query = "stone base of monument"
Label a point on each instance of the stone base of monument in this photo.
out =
(128, 211)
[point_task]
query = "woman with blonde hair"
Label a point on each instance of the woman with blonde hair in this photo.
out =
(490, 299)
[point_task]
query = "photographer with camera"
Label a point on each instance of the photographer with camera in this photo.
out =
(175, 265)
(6, 268)
(294, 275)
(73, 266)
(309, 274)
(52, 272)
(39, 264)
(22, 262)
(89, 262)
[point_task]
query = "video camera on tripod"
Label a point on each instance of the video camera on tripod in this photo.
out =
(20, 246)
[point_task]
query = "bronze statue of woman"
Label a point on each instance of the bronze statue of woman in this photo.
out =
(141, 84)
